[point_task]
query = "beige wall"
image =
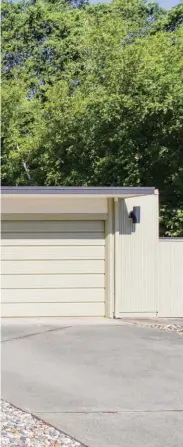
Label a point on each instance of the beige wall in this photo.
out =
(143, 274)
(52, 205)
(137, 257)
(149, 270)
(170, 277)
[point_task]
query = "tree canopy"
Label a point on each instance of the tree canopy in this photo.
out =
(93, 95)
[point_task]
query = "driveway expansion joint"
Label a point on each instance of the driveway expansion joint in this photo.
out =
(23, 428)
(110, 411)
(21, 337)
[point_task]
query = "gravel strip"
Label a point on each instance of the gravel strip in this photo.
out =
(170, 327)
(24, 430)
(165, 327)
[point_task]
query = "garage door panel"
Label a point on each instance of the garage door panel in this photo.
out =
(51, 281)
(53, 310)
(54, 267)
(52, 252)
(58, 239)
(52, 227)
(52, 295)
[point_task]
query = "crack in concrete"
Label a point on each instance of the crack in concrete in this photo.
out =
(21, 337)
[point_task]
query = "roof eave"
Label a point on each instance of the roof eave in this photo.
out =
(71, 192)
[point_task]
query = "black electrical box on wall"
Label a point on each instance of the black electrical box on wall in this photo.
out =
(135, 215)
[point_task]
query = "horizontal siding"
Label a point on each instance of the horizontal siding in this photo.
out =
(51, 281)
(53, 310)
(59, 239)
(170, 277)
(52, 295)
(52, 267)
(52, 252)
(53, 217)
(52, 227)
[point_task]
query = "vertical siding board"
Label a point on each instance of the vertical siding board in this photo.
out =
(170, 277)
(138, 244)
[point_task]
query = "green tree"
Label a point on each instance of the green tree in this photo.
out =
(94, 96)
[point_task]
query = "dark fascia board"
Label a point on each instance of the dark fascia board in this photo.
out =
(107, 191)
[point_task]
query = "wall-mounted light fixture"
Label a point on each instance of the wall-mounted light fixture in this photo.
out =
(135, 214)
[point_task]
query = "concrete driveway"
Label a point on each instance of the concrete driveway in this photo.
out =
(106, 383)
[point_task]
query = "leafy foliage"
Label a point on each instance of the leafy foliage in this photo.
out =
(93, 95)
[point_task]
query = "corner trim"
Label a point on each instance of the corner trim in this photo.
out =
(109, 261)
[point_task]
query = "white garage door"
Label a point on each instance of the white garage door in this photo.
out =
(53, 268)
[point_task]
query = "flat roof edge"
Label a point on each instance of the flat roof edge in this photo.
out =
(79, 190)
